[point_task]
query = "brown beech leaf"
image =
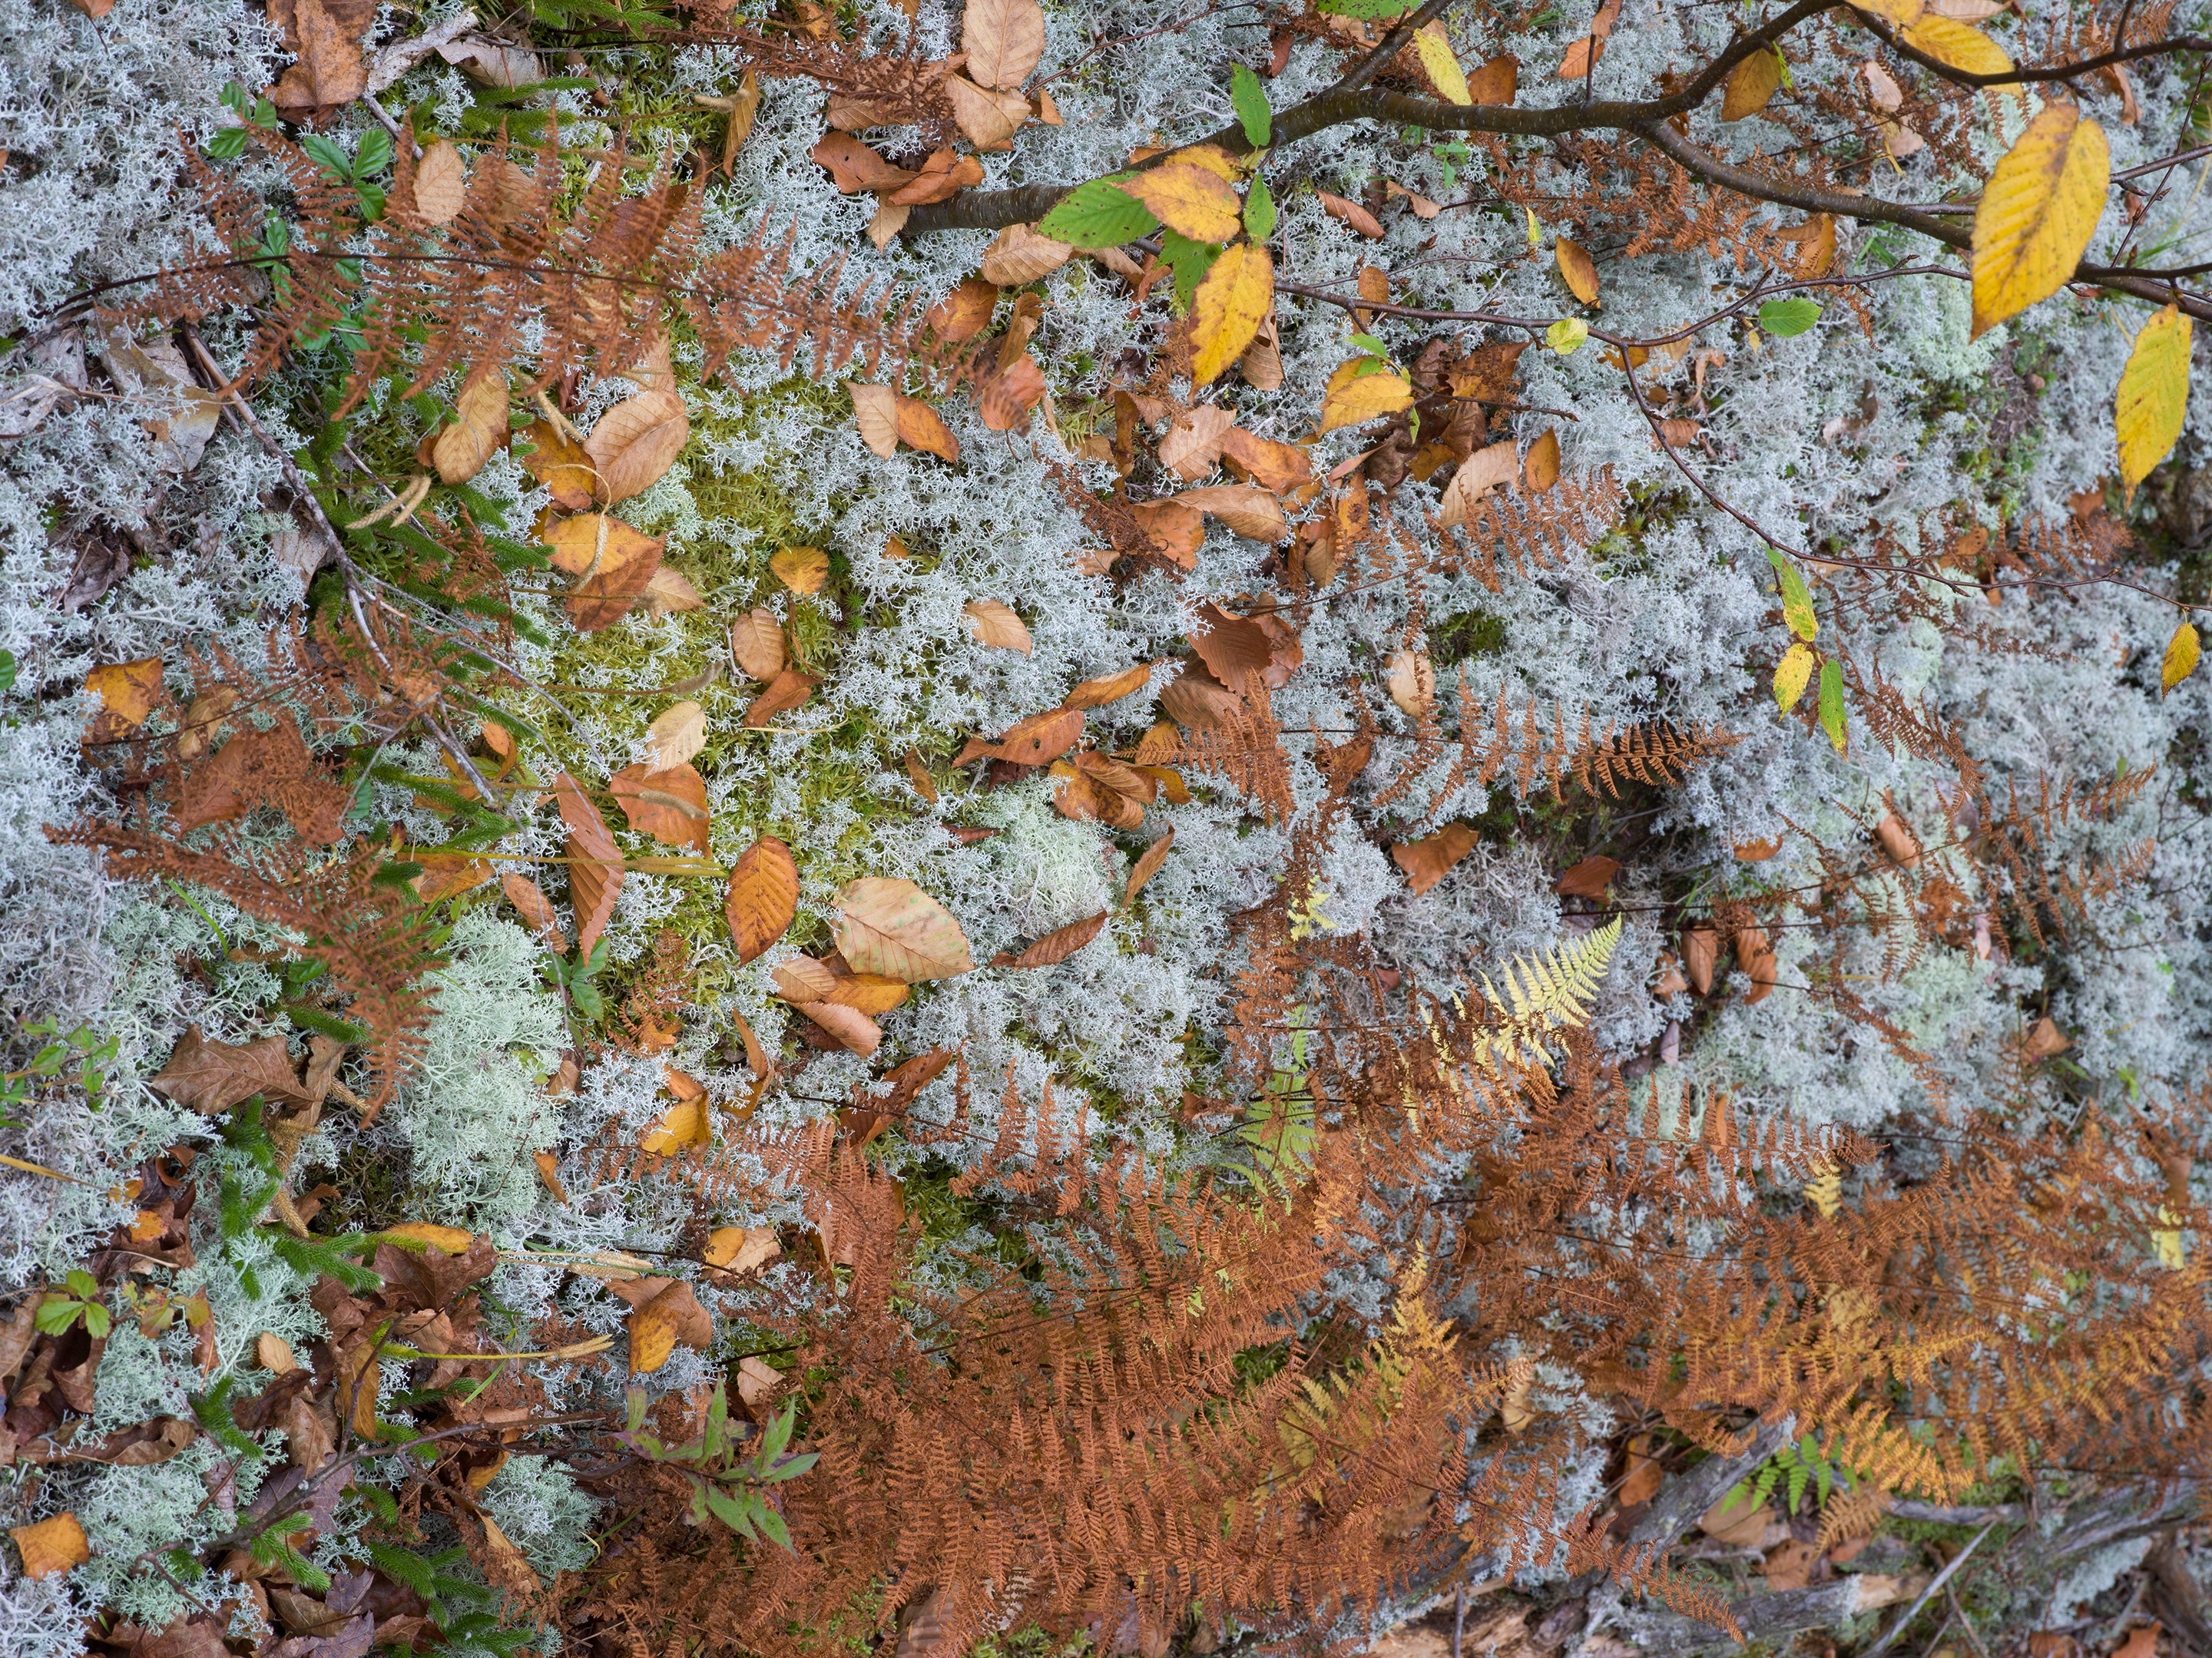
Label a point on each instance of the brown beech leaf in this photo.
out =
(535, 910)
(997, 624)
(1898, 841)
(875, 411)
(964, 312)
(1740, 1519)
(762, 897)
(668, 803)
(1756, 957)
(868, 992)
(682, 1127)
(1280, 467)
(1542, 470)
(1018, 256)
(1486, 469)
(1496, 81)
(1006, 399)
(1056, 946)
(987, 118)
(854, 167)
(740, 1250)
(854, 1030)
(802, 979)
(1198, 701)
(668, 592)
(2045, 1039)
(1351, 213)
(1590, 878)
(757, 644)
(1429, 860)
(870, 1114)
(678, 734)
(446, 873)
(787, 690)
(561, 463)
(1701, 953)
(331, 70)
(212, 1077)
(479, 427)
(637, 441)
(595, 870)
(1109, 688)
(1004, 39)
(1251, 512)
(1411, 679)
(51, 1547)
(918, 774)
(612, 563)
(1147, 866)
(1176, 531)
(1036, 741)
(1230, 646)
(1577, 270)
(1193, 445)
(894, 928)
(943, 174)
(1644, 1475)
(1582, 57)
(919, 427)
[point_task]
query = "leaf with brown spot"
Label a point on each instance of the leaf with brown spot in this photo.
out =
(1036, 741)
(763, 896)
(1590, 878)
(127, 692)
(669, 802)
(1109, 688)
(757, 644)
(787, 690)
(1056, 946)
(595, 871)
(1429, 860)
(893, 927)
(996, 624)
(1175, 530)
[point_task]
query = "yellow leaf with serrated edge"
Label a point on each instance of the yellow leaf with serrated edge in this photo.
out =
(1353, 398)
(1190, 200)
(2182, 652)
(1902, 13)
(2154, 395)
(1751, 86)
(1791, 675)
(2036, 216)
(1228, 308)
(1960, 46)
(1438, 61)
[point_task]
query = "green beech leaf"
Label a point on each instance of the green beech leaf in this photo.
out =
(1832, 705)
(1250, 99)
(1189, 260)
(1786, 318)
(1797, 599)
(1095, 214)
(1259, 210)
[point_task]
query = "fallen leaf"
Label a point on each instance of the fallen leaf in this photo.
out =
(1751, 86)
(682, 1126)
(1351, 213)
(854, 167)
(802, 569)
(868, 992)
(1756, 957)
(1701, 953)
(1147, 866)
(1422, 206)
(1739, 1519)
(446, 873)
(1198, 701)
(1644, 1475)
(919, 427)
(1004, 400)
(943, 175)
(1755, 852)
(1280, 468)
(1354, 397)
(672, 1313)
(1590, 877)
(1231, 647)
(479, 428)
(1251, 512)
(127, 692)
(678, 734)
(1582, 57)
(875, 411)
(996, 624)
(787, 690)
(1542, 470)
(548, 1175)
(1429, 860)
(987, 118)
(668, 802)
(1036, 741)
(854, 1030)
(2141, 1641)
(51, 1547)
(1486, 469)
(1496, 81)
(1227, 309)
(331, 70)
(557, 461)
(595, 870)
(802, 979)
(2045, 1039)
(636, 442)
(1411, 682)
(1109, 688)
(442, 184)
(1056, 946)
(535, 910)
(1192, 447)
(893, 927)
(668, 592)
(210, 1078)
(1003, 39)
(612, 563)
(1577, 270)
(1019, 255)
(493, 63)
(1898, 841)
(1175, 530)
(757, 644)
(1432, 46)
(739, 1249)
(1790, 1566)
(966, 312)
(763, 896)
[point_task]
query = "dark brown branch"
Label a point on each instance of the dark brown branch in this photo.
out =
(1958, 77)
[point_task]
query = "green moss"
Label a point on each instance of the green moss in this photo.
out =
(1469, 635)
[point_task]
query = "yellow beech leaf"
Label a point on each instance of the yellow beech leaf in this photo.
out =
(1960, 46)
(1434, 48)
(1190, 200)
(1791, 675)
(677, 735)
(51, 1547)
(683, 1123)
(802, 569)
(1902, 13)
(1228, 308)
(2181, 654)
(652, 1336)
(1353, 398)
(741, 1249)
(1751, 86)
(127, 690)
(2154, 396)
(2036, 214)
(1578, 270)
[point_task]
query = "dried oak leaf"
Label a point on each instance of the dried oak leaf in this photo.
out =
(595, 867)
(1036, 741)
(668, 802)
(893, 927)
(212, 1077)
(763, 896)
(1056, 946)
(1429, 860)
(787, 690)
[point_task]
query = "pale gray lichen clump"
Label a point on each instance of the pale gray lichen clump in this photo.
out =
(1832, 437)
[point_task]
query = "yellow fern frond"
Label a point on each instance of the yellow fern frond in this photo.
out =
(1548, 993)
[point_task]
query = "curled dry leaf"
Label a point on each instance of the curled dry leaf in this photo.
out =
(595, 867)
(678, 734)
(548, 1175)
(757, 644)
(1429, 860)
(894, 928)
(479, 429)
(2045, 1039)
(1056, 946)
(669, 802)
(1004, 39)
(996, 624)
(637, 441)
(1898, 841)
(1411, 680)
(942, 175)
(966, 312)
(1423, 208)
(1109, 688)
(763, 896)
(1487, 468)
(802, 569)
(787, 690)
(1018, 255)
(918, 774)
(1582, 57)
(1351, 213)
(1036, 741)
(1147, 866)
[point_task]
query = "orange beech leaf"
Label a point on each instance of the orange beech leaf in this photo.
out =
(668, 803)
(595, 868)
(1056, 946)
(763, 896)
